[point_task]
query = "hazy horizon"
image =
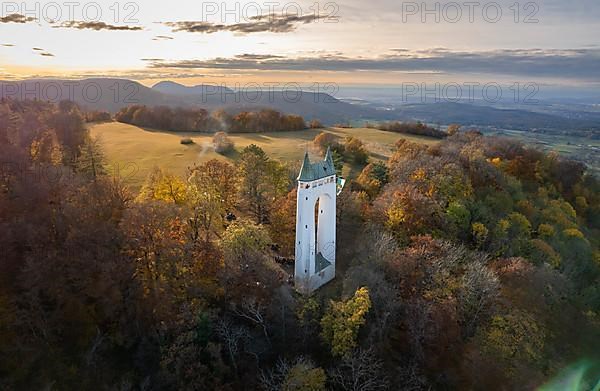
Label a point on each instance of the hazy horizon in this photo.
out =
(386, 43)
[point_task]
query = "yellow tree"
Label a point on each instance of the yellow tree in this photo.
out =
(514, 338)
(261, 181)
(343, 320)
(407, 212)
(305, 377)
(224, 177)
(250, 273)
(161, 185)
(243, 241)
(211, 191)
(299, 375)
(372, 178)
(206, 205)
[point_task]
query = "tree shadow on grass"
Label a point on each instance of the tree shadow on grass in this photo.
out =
(232, 154)
(175, 132)
(379, 156)
(253, 137)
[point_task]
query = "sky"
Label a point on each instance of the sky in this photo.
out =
(351, 42)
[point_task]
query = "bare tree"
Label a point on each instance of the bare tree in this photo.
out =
(379, 246)
(273, 379)
(282, 312)
(418, 318)
(480, 288)
(231, 335)
(410, 378)
(360, 371)
(254, 311)
(385, 298)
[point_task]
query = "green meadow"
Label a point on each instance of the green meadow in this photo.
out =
(133, 151)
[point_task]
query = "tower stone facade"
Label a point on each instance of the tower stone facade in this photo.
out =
(315, 224)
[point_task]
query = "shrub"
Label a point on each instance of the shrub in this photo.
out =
(416, 128)
(186, 141)
(326, 140)
(97, 116)
(222, 143)
(315, 124)
(343, 126)
(266, 121)
(356, 151)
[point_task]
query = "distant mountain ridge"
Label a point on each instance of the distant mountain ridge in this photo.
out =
(172, 88)
(105, 94)
(111, 94)
(307, 104)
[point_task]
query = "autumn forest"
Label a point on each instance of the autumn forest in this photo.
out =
(468, 264)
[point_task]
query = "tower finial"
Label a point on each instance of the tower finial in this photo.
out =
(328, 155)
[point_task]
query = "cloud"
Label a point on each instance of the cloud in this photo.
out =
(140, 74)
(388, 10)
(81, 25)
(571, 63)
(261, 23)
(162, 38)
(43, 52)
(257, 57)
(8, 45)
(7, 75)
(16, 18)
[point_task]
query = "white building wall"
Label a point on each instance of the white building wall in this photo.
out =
(309, 243)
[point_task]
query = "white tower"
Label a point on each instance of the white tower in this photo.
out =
(315, 224)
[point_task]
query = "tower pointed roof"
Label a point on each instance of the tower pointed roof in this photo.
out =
(306, 171)
(319, 170)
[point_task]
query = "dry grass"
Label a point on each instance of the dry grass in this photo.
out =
(133, 151)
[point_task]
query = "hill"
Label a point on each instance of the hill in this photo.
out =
(310, 105)
(135, 151)
(106, 94)
(172, 88)
(111, 94)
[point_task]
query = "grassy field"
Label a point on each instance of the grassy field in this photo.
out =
(133, 151)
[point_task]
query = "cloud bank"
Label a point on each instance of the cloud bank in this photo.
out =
(268, 23)
(81, 25)
(572, 63)
(16, 18)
